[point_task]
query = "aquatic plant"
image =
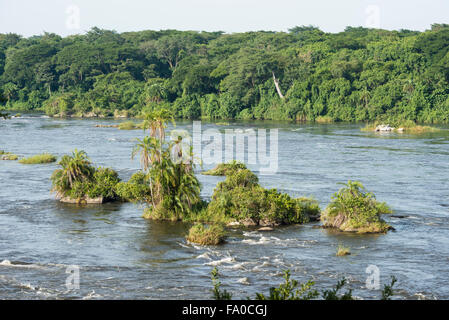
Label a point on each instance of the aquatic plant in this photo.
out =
(7, 155)
(206, 235)
(343, 251)
(39, 158)
(129, 125)
(354, 209)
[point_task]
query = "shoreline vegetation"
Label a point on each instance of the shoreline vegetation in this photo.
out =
(305, 74)
(168, 186)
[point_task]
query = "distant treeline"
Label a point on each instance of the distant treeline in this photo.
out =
(306, 74)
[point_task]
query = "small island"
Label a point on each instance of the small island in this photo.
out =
(353, 209)
(77, 181)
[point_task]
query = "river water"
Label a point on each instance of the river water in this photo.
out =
(123, 256)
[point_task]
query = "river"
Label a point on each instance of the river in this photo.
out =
(123, 256)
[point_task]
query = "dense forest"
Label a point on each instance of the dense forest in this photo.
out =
(305, 75)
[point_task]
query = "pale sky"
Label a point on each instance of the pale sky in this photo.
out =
(64, 17)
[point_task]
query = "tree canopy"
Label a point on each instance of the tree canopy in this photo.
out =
(359, 74)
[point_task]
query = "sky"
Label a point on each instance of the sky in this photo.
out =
(65, 17)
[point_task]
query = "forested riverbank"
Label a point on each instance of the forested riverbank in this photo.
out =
(305, 74)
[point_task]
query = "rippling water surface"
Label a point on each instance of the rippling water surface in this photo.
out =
(123, 256)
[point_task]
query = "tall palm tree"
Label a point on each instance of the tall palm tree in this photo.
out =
(149, 149)
(156, 121)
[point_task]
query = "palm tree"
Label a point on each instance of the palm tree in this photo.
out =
(149, 149)
(156, 121)
(76, 167)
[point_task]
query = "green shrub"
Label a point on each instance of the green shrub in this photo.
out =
(240, 198)
(356, 210)
(289, 290)
(78, 179)
(136, 189)
(39, 158)
(223, 169)
(211, 235)
(104, 183)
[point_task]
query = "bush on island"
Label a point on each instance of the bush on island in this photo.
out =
(78, 181)
(353, 209)
(242, 199)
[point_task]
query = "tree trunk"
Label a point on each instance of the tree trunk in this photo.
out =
(278, 89)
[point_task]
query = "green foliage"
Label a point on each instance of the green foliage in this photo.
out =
(104, 184)
(129, 125)
(292, 290)
(354, 209)
(289, 290)
(39, 158)
(239, 197)
(343, 251)
(7, 156)
(357, 75)
(211, 235)
(136, 189)
(218, 294)
(77, 178)
(387, 291)
(174, 189)
(224, 169)
(333, 294)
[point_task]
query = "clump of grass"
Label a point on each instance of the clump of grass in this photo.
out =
(224, 169)
(353, 209)
(128, 125)
(324, 119)
(7, 155)
(343, 251)
(222, 123)
(211, 235)
(39, 158)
